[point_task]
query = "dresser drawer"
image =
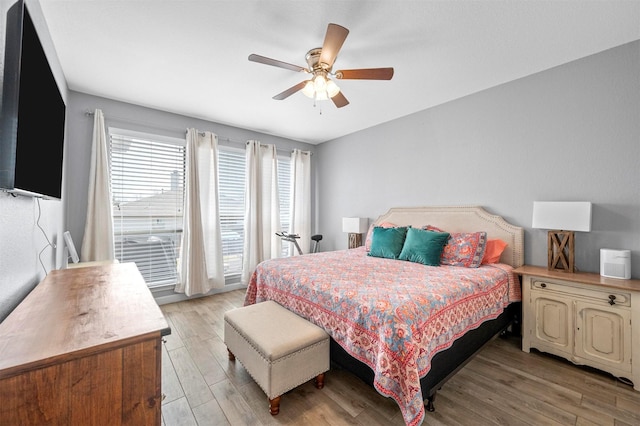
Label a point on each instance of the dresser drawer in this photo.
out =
(610, 296)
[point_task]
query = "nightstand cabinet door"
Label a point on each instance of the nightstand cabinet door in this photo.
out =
(553, 321)
(603, 336)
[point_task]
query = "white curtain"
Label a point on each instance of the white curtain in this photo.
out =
(97, 242)
(261, 208)
(301, 199)
(201, 253)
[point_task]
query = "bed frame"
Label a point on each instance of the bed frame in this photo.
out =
(446, 363)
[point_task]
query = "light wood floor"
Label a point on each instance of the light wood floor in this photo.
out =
(501, 386)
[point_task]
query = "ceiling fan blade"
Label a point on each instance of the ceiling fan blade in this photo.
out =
(366, 74)
(333, 40)
(339, 100)
(273, 62)
(290, 91)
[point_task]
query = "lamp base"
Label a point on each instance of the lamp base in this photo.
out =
(560, 251)
(355, 240)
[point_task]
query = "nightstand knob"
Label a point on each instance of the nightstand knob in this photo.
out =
(543, 285)
(612, 299)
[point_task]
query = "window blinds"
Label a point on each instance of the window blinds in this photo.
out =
(147, 181)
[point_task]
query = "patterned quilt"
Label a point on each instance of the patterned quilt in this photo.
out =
(393, 315)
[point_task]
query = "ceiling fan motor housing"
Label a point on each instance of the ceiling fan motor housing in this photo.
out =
(313, 60)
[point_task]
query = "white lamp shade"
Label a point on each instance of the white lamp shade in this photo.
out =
(562, 215)
(355, 225)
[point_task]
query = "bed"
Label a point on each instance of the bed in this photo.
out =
(403, 326)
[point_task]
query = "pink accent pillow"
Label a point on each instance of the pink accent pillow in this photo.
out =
(463, 248)
(367, 242)
(493, 251)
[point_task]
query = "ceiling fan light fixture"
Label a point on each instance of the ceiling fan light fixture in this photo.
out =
(308, 90)
(332, 88)
(320, 83)
(322, 96)
(320, 88)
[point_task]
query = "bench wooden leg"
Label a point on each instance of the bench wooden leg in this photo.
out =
(320, 381)
(274, 405)
(232, 357)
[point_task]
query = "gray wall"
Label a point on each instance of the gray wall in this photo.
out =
(25, 255)
(571, 133)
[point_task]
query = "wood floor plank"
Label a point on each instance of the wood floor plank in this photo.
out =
(209, 367)
(171, 387)
(173, 340)
(210, 413)
(178, 413)
(502, 386)
(564, 399)
(527, 384)
(496, 368)
(455, 393)
(259, 403)
(508, 400)
(462, 413)
(316, 407)
(619, 414)
(234, 370)
(235, 408)
(629, 403)
(353, 395)
(195, 388)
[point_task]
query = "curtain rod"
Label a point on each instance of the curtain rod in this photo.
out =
(174, 129)
(155, 126)
(301, 151)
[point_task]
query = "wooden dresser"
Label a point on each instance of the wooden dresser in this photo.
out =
(83, 348)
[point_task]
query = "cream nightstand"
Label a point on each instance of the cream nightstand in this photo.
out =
(583, 317)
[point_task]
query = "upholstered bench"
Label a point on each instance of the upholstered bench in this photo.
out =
(277, 347)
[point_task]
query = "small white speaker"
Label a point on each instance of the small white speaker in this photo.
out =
(615, 263)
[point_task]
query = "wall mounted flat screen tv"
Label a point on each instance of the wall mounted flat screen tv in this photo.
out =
(33, 113)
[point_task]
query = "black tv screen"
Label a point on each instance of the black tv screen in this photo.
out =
(33, 113)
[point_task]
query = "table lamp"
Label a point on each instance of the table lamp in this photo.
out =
(561, 218)
(355, 226)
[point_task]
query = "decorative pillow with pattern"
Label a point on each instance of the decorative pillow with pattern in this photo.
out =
(463, 248)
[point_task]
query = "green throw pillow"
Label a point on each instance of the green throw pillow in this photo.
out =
(424, 247)
(387, 242)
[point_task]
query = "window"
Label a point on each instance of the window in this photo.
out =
(231, 187)
(284, 191)
(147, 184)
(231, 163)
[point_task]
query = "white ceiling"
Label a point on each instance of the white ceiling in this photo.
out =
(190, 57)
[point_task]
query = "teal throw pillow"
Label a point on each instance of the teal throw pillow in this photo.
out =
(424, 247)
(387, 242)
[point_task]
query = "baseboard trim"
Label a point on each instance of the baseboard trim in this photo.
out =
(163, 299)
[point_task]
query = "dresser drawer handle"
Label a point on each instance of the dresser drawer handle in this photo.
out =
(543, 285)
(612, 299)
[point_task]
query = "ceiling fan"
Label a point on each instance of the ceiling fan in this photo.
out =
(320, 63)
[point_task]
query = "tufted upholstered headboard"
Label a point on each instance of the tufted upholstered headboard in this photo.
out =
(463, 219)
